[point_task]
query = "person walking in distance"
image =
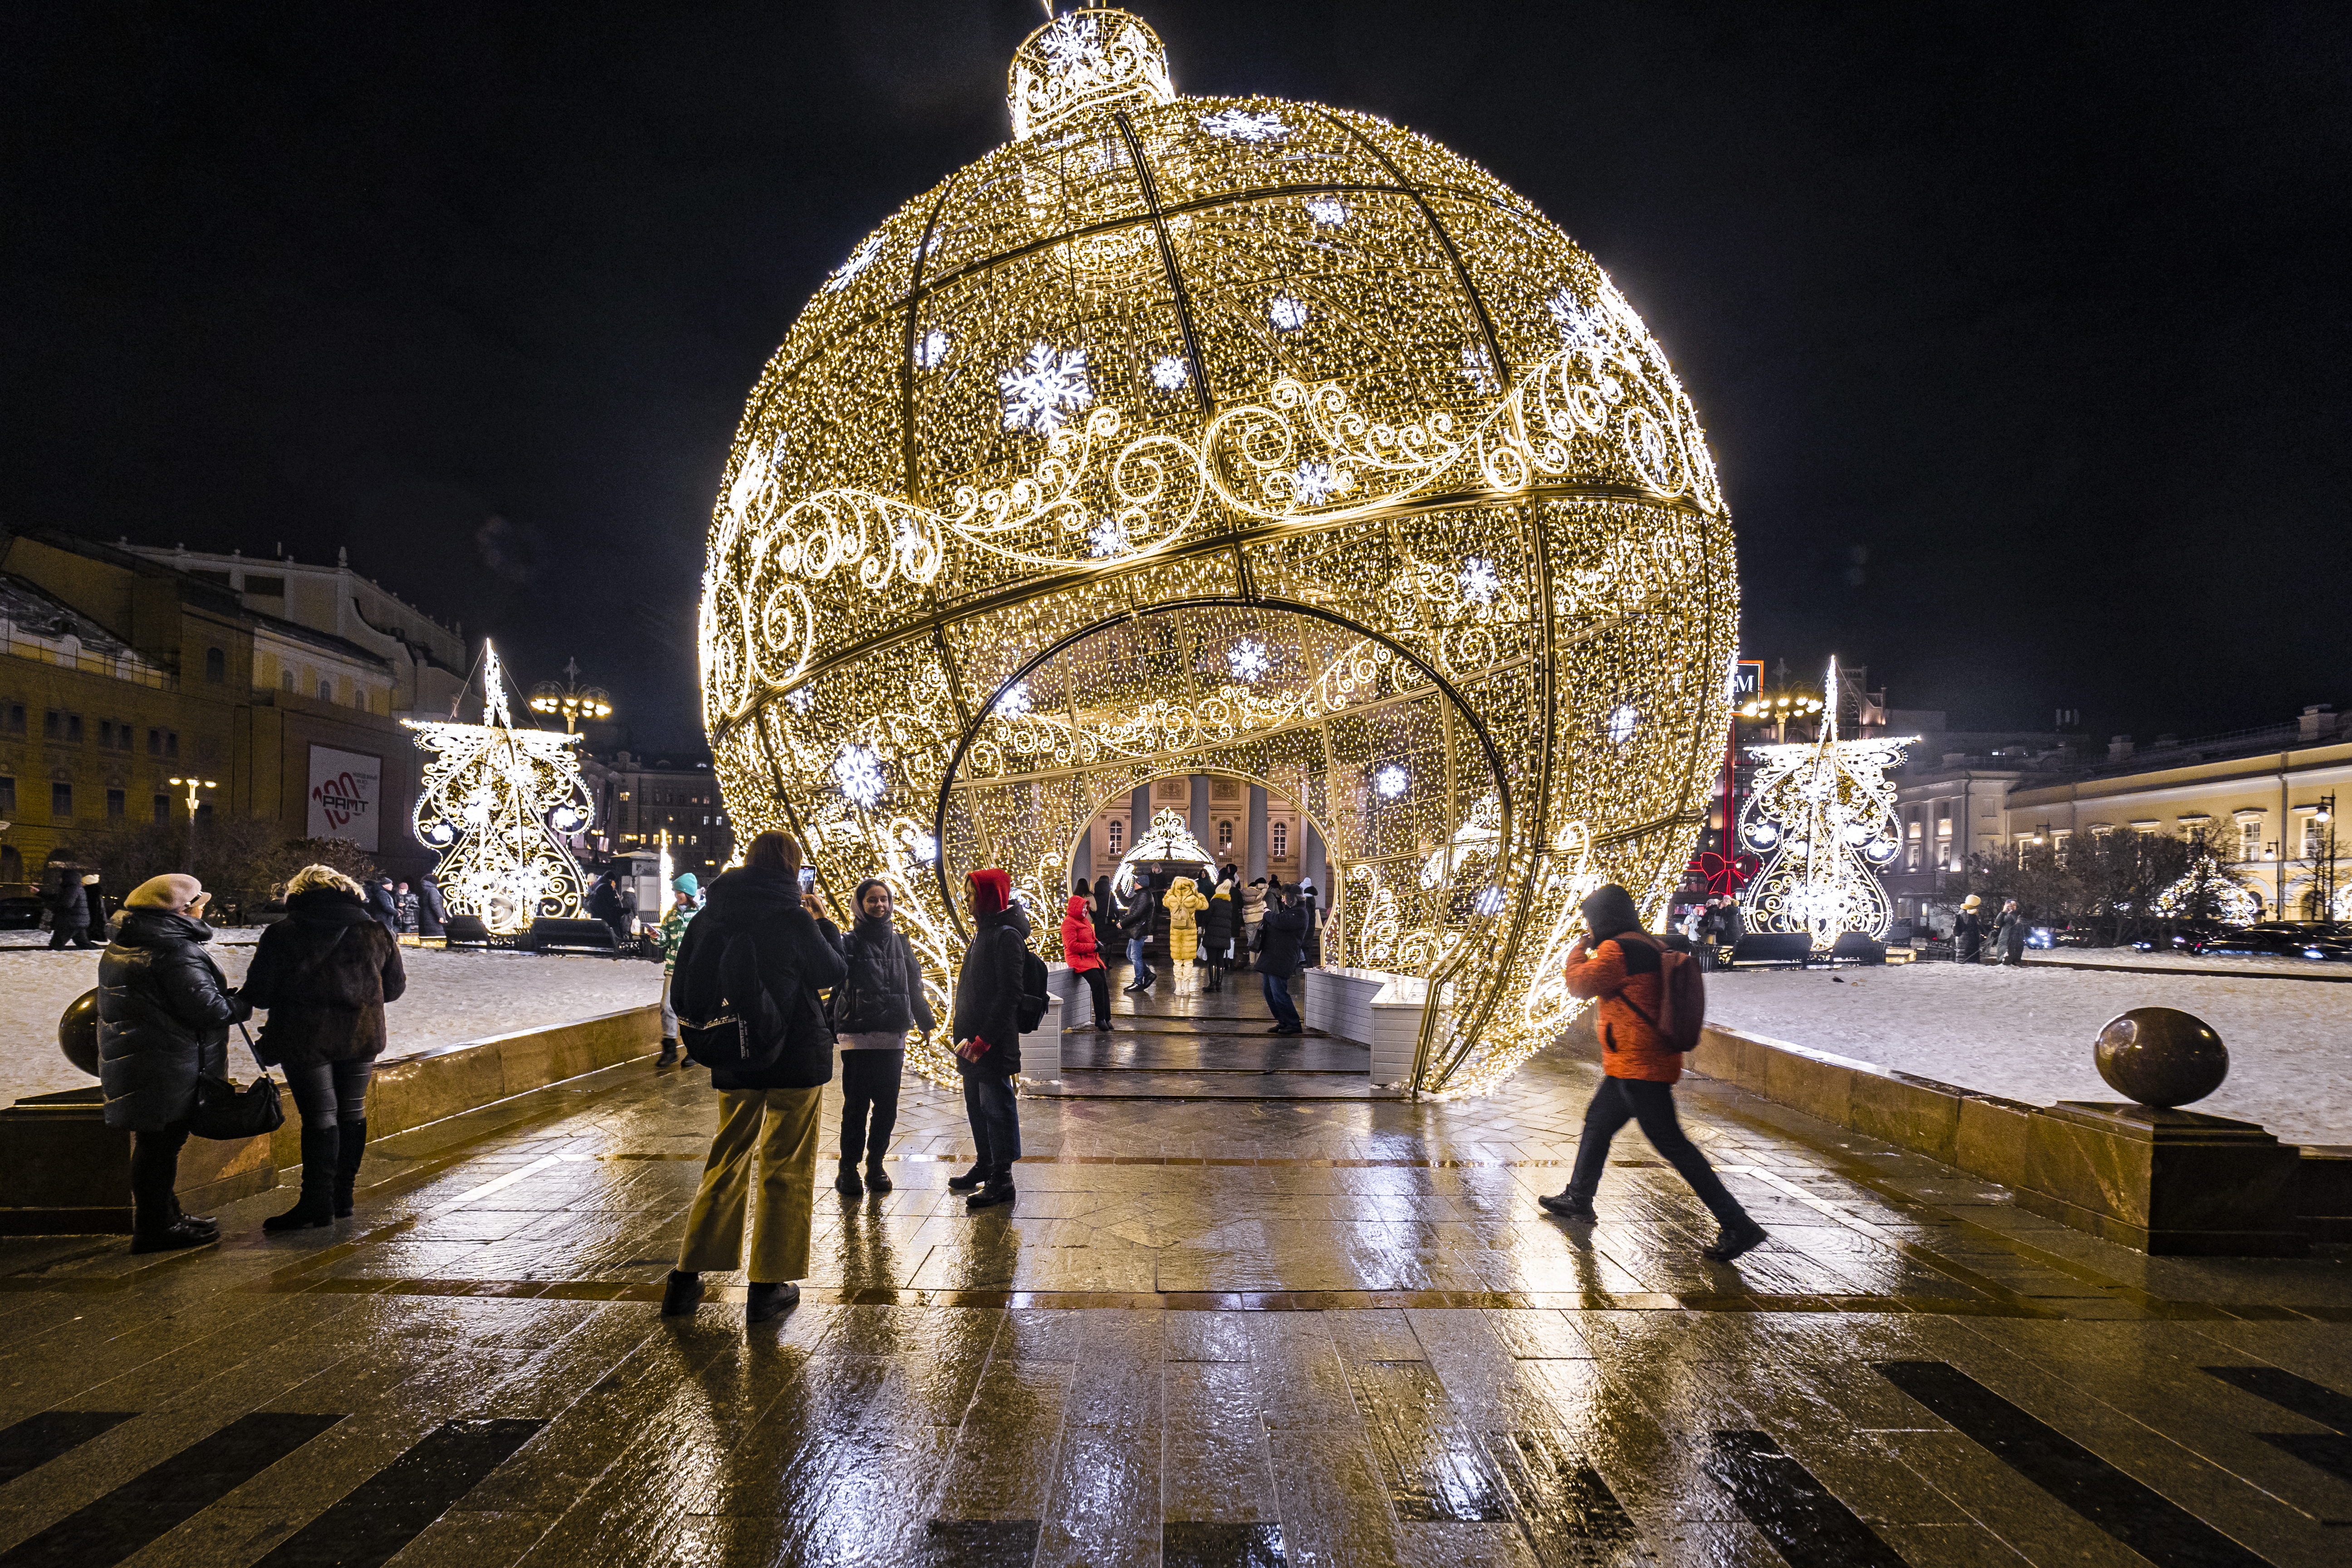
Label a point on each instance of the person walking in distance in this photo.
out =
(879, 1000)
(687, 898)
(1968, 932)
(69, 911)
(760, 934)
(1217, 923)
(2009, 936)
(987, 1030)
(1107, 937)
(93, 892)
(323, 974)
(1280, 933)
(1135, 924)
(383, 906)
(1081, 953)
(1622, 967)
(164, 1013)
(432, 910)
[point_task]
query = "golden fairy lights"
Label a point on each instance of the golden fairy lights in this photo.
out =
(1821, 816)
(496, 803)
(1229, 436)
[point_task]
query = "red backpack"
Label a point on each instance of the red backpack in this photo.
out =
(1682, 991)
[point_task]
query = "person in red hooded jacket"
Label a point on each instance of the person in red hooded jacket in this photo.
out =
(1080, 951)
(986, 1027)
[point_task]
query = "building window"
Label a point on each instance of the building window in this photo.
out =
(14, 715)
(1117, 834)
(163, 742)
(57, 725)
(326, 690)
(2250, 839)
(1278, 840)
(61, 802)
(215, 666)
(8, 798)
(2314, 837)
(1224, 838)
(12, 865)
(285, 678)
(162, 808)
(114, 806)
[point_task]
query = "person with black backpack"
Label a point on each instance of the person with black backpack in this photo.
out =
(746, 990)
(874, 1006)
(1652, 1003)
(991, 999)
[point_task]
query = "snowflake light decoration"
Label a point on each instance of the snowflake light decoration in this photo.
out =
(1286, 311)
(1245, 125)
(929, 349)
(858, 261)
(1390, 781)
(1072, 43)
(1169, 373)
(858, 774)
(801, 698)
(1823, 814)
(1317, 482)
(1107, 538)
(1478, 368)
(495, 803)
(1579, 327)
(1479, 582)
(1247, 659)
(1044, 388)
(1015, 702)
(1327, 211)
(1621, 721)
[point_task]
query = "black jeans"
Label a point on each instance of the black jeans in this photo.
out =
(995, 1124)
(1277, 1001)
(328, 1092)
(869, 1090)
(1099, 985)
(1624, 1100)
(154, 1171)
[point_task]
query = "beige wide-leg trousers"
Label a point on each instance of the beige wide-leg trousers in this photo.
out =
(779, 1126)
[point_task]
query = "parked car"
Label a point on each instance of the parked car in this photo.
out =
(20, 914)
(2275, 941)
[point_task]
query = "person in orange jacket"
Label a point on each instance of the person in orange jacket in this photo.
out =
(1623, 972)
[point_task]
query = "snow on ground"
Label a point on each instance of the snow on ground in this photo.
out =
(2026, 1034)
(2208, 964)
(452, 997)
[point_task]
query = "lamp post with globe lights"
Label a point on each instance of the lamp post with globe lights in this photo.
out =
(571, 699)
(193, 785)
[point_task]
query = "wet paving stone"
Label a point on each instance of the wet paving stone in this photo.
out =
(1275, 1329)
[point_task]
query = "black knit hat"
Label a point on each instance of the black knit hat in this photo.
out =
(1609, 911)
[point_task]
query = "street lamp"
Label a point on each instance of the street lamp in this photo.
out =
(571, 699)
(194, 785)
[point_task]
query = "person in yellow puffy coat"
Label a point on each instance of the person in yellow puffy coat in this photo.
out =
(1183, 903)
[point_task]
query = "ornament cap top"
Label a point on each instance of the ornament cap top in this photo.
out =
(1084, 63)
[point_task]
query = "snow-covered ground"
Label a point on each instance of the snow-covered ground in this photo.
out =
(452, 997)
(2026, 1033)
(2210, 963)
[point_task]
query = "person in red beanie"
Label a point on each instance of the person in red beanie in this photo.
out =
(986, 1027)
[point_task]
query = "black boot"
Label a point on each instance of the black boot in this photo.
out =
(770, 1302)
(316, 1205)
(681, 1293)
(968, 1182)
(350, 1148)
(669, 1057)
(846, 1183)
(176, 1235)
(877, 1179)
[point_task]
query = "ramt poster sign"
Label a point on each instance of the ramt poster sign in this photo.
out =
(345, 787)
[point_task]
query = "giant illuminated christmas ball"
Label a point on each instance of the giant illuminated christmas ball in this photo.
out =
(1237, 436)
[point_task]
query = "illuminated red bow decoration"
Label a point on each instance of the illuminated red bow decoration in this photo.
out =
(1721, 873)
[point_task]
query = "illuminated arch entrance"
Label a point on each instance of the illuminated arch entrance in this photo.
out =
(1294, 379)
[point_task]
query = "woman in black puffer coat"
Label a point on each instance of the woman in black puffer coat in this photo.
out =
(324, 972)
(873, 1007)
(164, 1013)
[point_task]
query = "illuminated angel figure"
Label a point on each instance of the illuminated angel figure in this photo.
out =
(495, 803)
(1822, 818)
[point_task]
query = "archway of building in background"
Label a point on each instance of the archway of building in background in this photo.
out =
(1110, 803)
(1377, 750)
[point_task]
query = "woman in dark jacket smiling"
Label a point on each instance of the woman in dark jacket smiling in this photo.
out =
(324, 972)
(768, 1110)
(874, 1006)
(164, 1013)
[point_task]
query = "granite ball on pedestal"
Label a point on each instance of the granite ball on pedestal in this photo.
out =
(2161, 1056)
(78, 1032)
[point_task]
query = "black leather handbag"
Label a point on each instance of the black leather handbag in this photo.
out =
(226, 1112)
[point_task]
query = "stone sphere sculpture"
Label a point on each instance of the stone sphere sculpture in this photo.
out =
(2161, 1056)
(78, 1032)
(1236, 436)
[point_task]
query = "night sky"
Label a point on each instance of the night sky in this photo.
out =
(2019, 332)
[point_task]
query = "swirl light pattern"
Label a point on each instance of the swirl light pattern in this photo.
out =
(1822, 817)
(495, 804)
(1237, 436)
